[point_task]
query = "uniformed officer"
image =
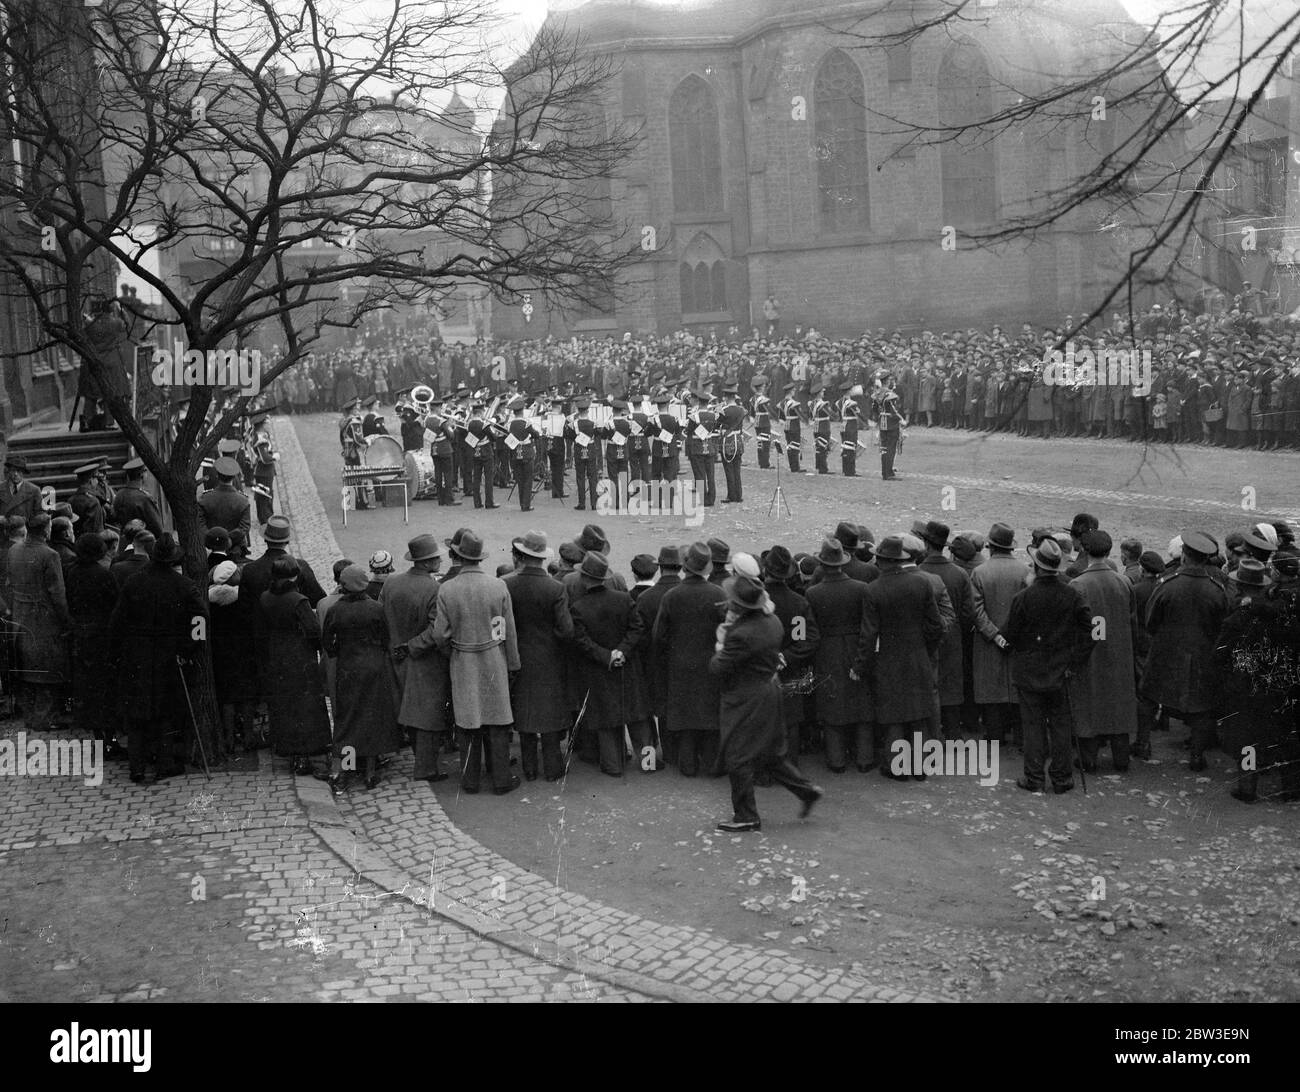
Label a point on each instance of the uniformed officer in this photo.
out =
(225, 506)
(851, 416)
(586, 452)
(638, 456)
(731, 427)
(441, 451)
(88, 508)
(790, 411)
(555, 445)
(351, 441)
(372, 421)
(524, 437)
(132, 502)
(890, 422)
(100, 487)
(665, 451)
(821, 414)
(618, 438)
(478, 439)
(763, 423)
(264, 459)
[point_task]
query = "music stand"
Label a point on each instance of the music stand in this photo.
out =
(778, 494)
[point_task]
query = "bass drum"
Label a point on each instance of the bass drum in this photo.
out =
(420, 481)
(382, 451)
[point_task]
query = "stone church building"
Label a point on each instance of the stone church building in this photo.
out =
(774, 161)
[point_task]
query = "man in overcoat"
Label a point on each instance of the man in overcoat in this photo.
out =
(948, 664)
(900, 633)
(993, 587)
(410, 602)
(800, 637)
(543, 629)
(475, 630)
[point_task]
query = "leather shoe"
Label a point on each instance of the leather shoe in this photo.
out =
(514, 784)
(731, 826)
(432, 778)
(1023, 783)
(815, 794)
(1197, 763)
(491, 506)
(1059, 789)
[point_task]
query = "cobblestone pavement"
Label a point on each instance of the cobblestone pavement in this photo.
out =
(413, 843)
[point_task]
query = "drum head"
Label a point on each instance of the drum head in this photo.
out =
(382, 451)
(412, 475)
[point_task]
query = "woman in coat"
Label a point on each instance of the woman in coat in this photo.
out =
(92, 595)
(234, 670)
(295, 695)
(365, 709)
(746, 659)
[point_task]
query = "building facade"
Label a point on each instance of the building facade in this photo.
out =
(772, 164)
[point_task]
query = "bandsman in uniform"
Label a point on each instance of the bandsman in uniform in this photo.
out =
(499, 428)
(441, 449)
(581, 433)
(352, 442)
(225, 506)
(889, 420)
(132, 502)
(700, 428)
(412, 428)
(791, 414)
(763, 423)
(665, 453)
(851, 418)
(618, 442)
(524, 437)
(638, 456)
(478, 441)
(264, 459)
(731, 423)
(821, 415)
(372, 423)
(555, 445)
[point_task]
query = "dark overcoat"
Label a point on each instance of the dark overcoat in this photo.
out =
(994, 585)
(652, 665)
(948, 661)
(410, 602)
(1103, 693)
(901, 630)
(39, 603)
(152, 624)
(365, 711)
(800, 637)
(836, 603)
(605, 620)
(750, 719)
(1184, 617)
(543, 628)
(92, 596)
(294, 687)
(1050, 631)
(683, 638)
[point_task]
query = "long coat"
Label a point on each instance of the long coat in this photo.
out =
(328, 665)
(254, 580)
(836, 603)
(39, 603)
(365, 711)
(605, 620)
(152, 624)
(1050, 630)
(993, 586)
(234, 667)
(683, 638)
(948, 662)
(1259, 707)
(750, 720)
(798, 645)
(543, 628)
(92, 596)
(653, 667)
(410, 602)
(295, 692)
(1184, 617)
(901, 630)
(475, 629)
(1103, 693)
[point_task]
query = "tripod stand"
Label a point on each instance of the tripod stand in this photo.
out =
(778, 494)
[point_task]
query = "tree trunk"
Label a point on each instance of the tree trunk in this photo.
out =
(179, 491)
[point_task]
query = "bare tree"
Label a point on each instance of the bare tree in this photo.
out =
(286, 150)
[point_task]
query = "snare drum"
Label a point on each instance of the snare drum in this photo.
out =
(420, 480)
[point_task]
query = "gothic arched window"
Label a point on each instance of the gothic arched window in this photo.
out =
(967, 160)
(696, 147)
(840, 144)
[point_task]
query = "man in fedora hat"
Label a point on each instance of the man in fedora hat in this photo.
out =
(410, 601)
(746, 659)
(653, 668)
(543, 629)
(607, 634)
(18, 497)
(900, 633)
(683, 638)
(1103, 695)
(994, 586)
(1186, 612)
(225, 506)
(798, 643)
(475, 630)
(843, 703)
(949, 665)
(1050, 636)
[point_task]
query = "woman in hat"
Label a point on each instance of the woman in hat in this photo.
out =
(365, 709)
(234, 669)
(92, 595)
(746, 659)
(381, 568)
(295, 696)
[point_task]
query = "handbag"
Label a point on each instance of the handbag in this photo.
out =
(1213, 414)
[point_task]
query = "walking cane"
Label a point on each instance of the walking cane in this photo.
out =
(198, 735)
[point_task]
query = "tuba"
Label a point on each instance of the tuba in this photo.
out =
(422, 398)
